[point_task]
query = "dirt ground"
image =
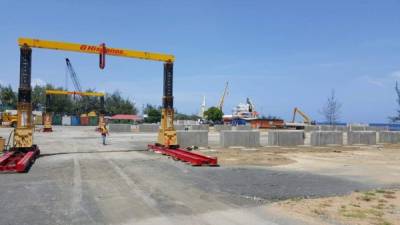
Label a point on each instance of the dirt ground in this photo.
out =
(77, 180)
(381, 207)
(380, 164)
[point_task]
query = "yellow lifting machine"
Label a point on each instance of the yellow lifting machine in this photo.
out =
(47, 126)
(24, 152)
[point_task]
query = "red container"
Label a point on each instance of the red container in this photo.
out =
(84, 121)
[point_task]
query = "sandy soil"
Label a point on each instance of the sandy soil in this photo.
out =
(361, 208)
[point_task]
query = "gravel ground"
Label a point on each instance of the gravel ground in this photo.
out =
(79, 181)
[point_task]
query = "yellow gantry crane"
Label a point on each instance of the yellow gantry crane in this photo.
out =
(167, 133)
(24, 151)
(47, 126)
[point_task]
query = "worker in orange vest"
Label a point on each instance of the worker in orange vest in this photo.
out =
(104, 133)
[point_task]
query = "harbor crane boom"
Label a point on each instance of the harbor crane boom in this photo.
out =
(73, 75)
(222, 99)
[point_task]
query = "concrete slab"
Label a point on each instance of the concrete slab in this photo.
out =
(389, 137)
(245, 138)
(188, 138)
(332, 128)
(151, 128)
(311, 128)
(286, 137)
(320, 138)
(361, 137)
(242, 127)
(117, 128)
(222, 127)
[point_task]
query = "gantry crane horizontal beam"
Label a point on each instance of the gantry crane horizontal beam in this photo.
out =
(60, 92)
(94, 49)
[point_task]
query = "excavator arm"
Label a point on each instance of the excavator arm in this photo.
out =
(306, 119)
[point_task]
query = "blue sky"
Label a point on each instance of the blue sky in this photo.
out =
(281, 54)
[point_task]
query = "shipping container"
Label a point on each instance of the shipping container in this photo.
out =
(57, 119)
(93, 120)
(66, 121)
(92, 113)
(38, 120)
(84, 120)
(75, 121)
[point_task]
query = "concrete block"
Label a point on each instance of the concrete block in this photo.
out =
(188, 138)
(286, 137)
(332, 128)
(245, 138)
(117, 128)
(357, 128)
(242, 127)
(378, 129)
(361, 137)
(311, 128)
(389, 137)
(66, 121)
(197, 127)
(151, 128)
(320, 138)
(222, 127)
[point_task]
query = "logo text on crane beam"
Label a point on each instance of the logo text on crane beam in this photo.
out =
(93, 48)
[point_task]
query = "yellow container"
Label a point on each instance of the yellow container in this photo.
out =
(38, 120)
(92, 113)
(2, 143)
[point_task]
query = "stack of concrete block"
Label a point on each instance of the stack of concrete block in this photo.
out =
(222, 127)
(392, 137)
(185, 122)
(117, 128)
(309, 128)
(188, 138)
(320, 138)
(152, 128)
(378, 129)
(242, 127)
(332, 128)
(198, 127)
(181, 127)
(244, 138)
(286, 137)
(357, 128)
(361, 137)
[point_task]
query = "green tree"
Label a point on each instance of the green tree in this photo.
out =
(8, 97)
(58, 103)
(182, 116)
(38, 97)
(213, 114)
(115, 104)
(153, 114)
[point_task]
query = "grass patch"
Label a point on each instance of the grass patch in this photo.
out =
(379, 206)
(369, 193)
(318, 212)
(380, 191)
(354, 213)
(382, 201)
(391, 196)
(374, 212)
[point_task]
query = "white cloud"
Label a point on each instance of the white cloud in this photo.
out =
(37, 82)
(395, 74)
(378, 82)
(375, 82)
